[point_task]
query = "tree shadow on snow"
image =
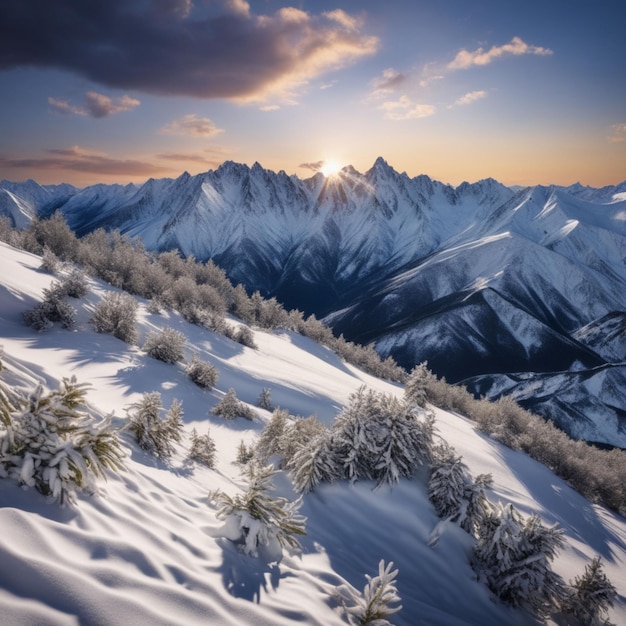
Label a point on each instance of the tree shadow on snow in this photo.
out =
(247, 577)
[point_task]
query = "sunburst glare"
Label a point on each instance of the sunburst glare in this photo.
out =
(330, 168)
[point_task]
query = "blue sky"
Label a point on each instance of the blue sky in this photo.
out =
(122, 90)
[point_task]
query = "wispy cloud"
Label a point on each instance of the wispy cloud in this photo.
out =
(178, 47)
(94, 105)
(405, 109)
(516, 47)
(192, 125)
(469, 98)
(209, 158)
(618, 133)
(387, 83)
(78, 159)
(314, 166)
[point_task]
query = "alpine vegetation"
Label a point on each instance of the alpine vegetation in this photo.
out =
(154, 433)
(376, 603)
(202, 372)
(116, 314)
(513, 557)
(230, 407)
(257, 521)
(455, 496)
(590, 596)
(49, 441)
(167, 345)
(202, 449)
(53, 308)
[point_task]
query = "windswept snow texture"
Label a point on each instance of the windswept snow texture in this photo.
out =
(480, 280)
(149, 550)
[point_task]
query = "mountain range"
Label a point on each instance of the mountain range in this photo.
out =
(516, 291)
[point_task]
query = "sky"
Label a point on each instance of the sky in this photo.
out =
(120, 91)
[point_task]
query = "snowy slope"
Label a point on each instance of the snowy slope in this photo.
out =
(149, 550)
(478, 279)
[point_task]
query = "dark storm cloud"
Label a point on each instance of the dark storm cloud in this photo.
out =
(176, 48)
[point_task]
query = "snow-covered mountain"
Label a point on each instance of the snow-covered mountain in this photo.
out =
(480, 280)
(149, 549)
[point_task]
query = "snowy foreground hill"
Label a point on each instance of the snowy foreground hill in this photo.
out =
(148, 548)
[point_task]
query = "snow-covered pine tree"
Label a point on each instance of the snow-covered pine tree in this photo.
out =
(230, 407)
(255, 520)
(50, 441)
(355, 438)
(245, 453)
(514, 556)
(590, 596)
(202, 449)
(454, 494)
(300, 431)
(406, 442)
(153, 433)
(174, 421)
(269, 442)
(377, 436)
(415, 388)
(265, 399)
(313, 463)
(374, 605)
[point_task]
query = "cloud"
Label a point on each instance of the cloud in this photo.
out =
(78, 159)
(405, 109)
(469, 98)
(176, 47)
(387, 83)
(203, 159)
(95, 105)
(314, 166)
(270, 107)
(192, 125)
(618, 133)
(516, 47)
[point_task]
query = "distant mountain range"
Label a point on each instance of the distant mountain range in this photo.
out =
(511, 291)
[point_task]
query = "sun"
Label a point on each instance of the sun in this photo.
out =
(330, 168)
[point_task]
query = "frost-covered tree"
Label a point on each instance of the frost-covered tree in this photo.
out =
(202, 449)
(245, 453)
(375, 604)
(416, 386)
(51, 442)
(590, 596)
(202, 372)
(230, 407)
(244, 336)
(75, 284)
(167, 345)
(255, 519)
(514, 556)
(265, 399)
(313, 463)
(454, 494)
(50, 262)
(51, 309)
(270, 439)
(116, 314)
(299, 431)
(154, 433)
(376, 436)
